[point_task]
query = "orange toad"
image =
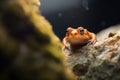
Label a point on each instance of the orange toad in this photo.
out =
(79, 37)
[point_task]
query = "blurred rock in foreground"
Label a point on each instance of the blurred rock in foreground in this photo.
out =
(99, 61)
(29, 50)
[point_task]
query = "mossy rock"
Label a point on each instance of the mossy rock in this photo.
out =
(29, 49)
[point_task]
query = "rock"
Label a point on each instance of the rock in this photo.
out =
(29, 49)
(99, 61)
(105, 32)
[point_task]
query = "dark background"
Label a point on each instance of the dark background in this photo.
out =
(94, 15)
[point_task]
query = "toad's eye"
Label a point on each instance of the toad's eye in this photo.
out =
(66, 30)
(67, 33)
(82, 31)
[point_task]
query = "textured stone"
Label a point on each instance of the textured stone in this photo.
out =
(99, 61)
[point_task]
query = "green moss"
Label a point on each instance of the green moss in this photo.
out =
(29, 37)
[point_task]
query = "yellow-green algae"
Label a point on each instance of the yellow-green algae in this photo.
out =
(29, 49)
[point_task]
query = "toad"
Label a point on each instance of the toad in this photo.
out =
(76, 38)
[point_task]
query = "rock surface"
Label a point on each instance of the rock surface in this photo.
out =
(29, 49)
(105, 32)
(99, 61)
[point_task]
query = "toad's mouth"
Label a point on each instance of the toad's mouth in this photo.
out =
(76, 41)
